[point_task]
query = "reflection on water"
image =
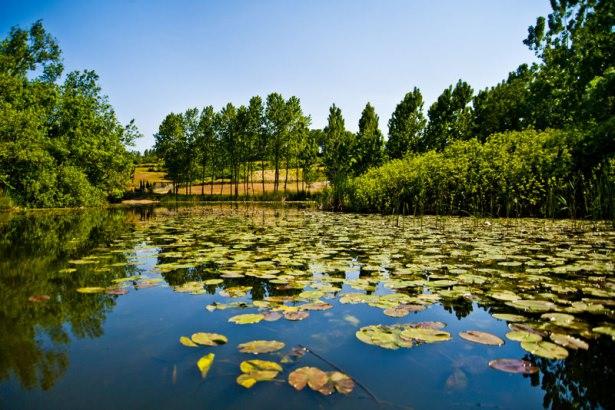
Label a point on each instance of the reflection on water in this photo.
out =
(283, 257)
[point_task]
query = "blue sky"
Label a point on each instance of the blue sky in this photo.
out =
(155, 57)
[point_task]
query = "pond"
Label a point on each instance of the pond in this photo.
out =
(156, 307)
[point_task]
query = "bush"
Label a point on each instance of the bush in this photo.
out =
(520, 173)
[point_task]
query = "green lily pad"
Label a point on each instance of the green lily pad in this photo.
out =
(544, 349)
(209, 339)
(261, 346)
(388, 337)
(425, 334)
(522, 336)
(485, 338)
(509, 317)
(91, 289)
(568, 341)
(532, 305)
(605, 330)
(247, 318)
(187, 342)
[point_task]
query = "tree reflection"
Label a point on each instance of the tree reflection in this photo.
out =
(35, 250)
(584, 380)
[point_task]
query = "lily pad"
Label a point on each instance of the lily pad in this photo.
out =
(425, 334)
(257, 371)
(311, 376)
(522, 336)
(38, 298)
(605, 330)
(544, 349)
(204, 364)
(247, 318)
(509, 317)
(261, 346)
(485, 338)
(388, 337)
(209, 339)
(514, 366)
(187, 342)
(300, 315)
(91, 289)
(272, 316)
(568, 341)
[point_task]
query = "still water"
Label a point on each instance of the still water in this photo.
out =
(94, 302)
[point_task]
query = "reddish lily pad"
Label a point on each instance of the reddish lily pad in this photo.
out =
(514, 366)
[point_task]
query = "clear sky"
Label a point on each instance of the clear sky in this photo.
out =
(156, 57)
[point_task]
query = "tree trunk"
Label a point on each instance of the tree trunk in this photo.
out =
(263, 175)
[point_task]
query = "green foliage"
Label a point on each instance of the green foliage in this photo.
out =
(406, 126)
(60, 145)
(450, 117)
(512, 174)
(504, 107)
(369, 142)
(338, 148)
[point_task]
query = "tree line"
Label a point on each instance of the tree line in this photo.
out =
(571, 89)
(60, 143)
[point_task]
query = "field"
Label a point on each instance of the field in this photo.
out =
(154, 175)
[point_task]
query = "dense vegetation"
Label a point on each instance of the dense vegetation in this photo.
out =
(539, 143)
(60, 143)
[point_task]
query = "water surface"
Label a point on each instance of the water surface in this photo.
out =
(119, 345)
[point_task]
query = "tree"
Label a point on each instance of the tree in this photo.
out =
(450, 117)
(504, 107)
(337, 148)
(229, 138)
(170, 146)
(369, 141)
(206, 145)
(276, 122)
(406, 126)
(60, 145)
(257, 136)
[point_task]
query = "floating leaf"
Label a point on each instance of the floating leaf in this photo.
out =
(509, 317)
(187, 342)
(605, 330)
(271, 316)
(38, 298)
(316, 305)
(396, 312)
(544, 349)
(513, 366)
(247, 318)
(311, 376)
(257, 371)
(533, 305)
(388, 337)
(209, 339)
(568, 341)
(261, 346)
(342, 382)
(425, 334)
(204, 364)
(296, 315)
(91, 289)
(481, 337)
(522, 336)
